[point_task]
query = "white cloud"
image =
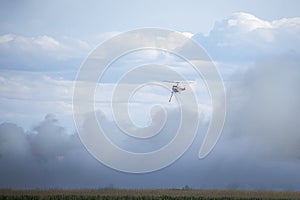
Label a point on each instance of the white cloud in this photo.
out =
(244, 37)
(47, 43)
(26, 96)
(188, 34)
(34, 86)
(43, 42)
(6, 38)
(40, 52)
(246, 22)
(47, 52)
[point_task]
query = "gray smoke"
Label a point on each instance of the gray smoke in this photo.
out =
(258, 148)
(267, 104)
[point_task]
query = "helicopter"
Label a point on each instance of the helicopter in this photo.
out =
(175, 88)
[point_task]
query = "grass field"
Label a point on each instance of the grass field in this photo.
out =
(111, 194)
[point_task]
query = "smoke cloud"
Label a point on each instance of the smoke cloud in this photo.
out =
(259, 147)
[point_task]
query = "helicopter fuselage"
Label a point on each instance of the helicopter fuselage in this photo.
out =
(176, 89)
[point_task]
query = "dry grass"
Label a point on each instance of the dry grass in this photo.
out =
(146, 194)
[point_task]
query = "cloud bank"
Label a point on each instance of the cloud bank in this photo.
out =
(242, 37)
(41, 53)
(258, 149)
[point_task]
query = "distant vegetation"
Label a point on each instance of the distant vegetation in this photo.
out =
(175, 194)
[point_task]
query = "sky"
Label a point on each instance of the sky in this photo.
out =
(253, 44)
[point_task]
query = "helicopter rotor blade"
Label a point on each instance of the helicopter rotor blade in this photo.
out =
(177, 82)
(166, 81)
